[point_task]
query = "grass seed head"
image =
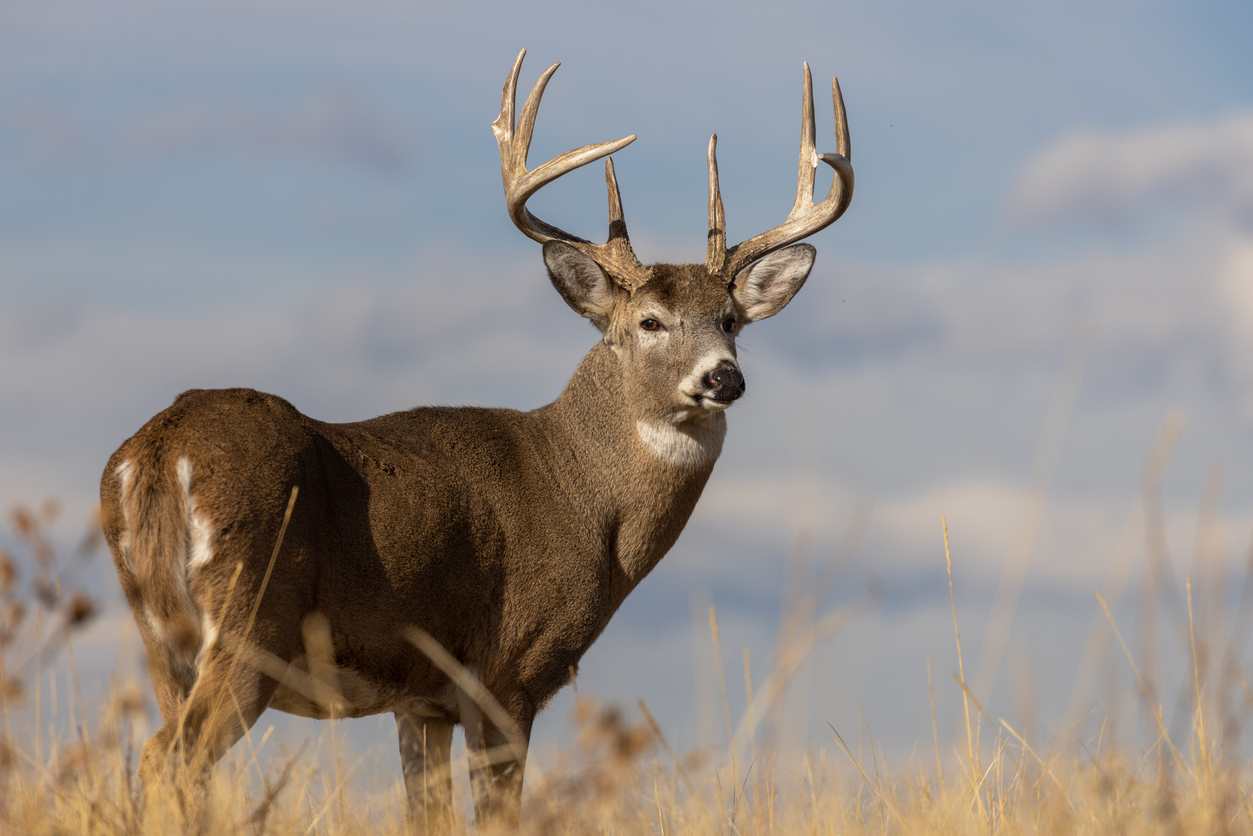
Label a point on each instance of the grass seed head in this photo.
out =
(79, 610)
(8, 572)
(24, 523)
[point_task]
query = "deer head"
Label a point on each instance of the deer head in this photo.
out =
(672, 326)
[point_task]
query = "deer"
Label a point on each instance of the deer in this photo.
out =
(448, 565)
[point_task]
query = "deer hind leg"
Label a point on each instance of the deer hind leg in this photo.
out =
(425, 759)
(173, 674)
(169, 673)
(226, 697)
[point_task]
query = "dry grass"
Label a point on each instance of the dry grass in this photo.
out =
(626, 778)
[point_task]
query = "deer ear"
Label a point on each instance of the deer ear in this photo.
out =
(765, 288)
(581, 282)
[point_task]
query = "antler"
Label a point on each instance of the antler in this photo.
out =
(615, 256)
(806, 217)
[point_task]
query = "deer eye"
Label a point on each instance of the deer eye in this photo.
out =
(728, 324)
(650, 325)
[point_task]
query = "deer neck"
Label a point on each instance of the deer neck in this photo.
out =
(634, 479)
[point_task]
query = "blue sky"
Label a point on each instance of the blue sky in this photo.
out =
(305, 198)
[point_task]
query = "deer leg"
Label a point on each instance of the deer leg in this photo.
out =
(225, 700)
(496, 771)
(170, 687)
(425, 759)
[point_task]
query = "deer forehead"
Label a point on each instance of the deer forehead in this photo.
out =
(687, 291)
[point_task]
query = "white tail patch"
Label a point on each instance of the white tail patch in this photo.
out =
(199, 532)
(186, 653)
(125, 474)
(683, 445)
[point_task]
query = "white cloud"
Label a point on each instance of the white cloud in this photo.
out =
(1235, 296)
(1098, 176)
(1074, 549)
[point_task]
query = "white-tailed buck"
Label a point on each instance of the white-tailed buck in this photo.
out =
(447, 565)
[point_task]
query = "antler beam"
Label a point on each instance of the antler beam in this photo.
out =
(806, 217)
(615, 256)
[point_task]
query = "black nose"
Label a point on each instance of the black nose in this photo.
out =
(726, 382)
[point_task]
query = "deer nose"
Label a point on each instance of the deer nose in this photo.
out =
(726, 382)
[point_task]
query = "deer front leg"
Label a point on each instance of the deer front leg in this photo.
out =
(425, 745)
(497, 762)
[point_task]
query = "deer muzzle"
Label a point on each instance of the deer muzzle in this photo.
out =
(724, 384)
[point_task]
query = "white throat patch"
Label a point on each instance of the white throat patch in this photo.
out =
(695, 445)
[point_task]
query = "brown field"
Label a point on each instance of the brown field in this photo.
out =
(72, 773)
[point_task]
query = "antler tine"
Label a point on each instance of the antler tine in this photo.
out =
(716, 250)
(807, 166)
(526, 122)
(615, 256)
(617, 222)
(503, 126)
(806, 217)
(843, 145)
